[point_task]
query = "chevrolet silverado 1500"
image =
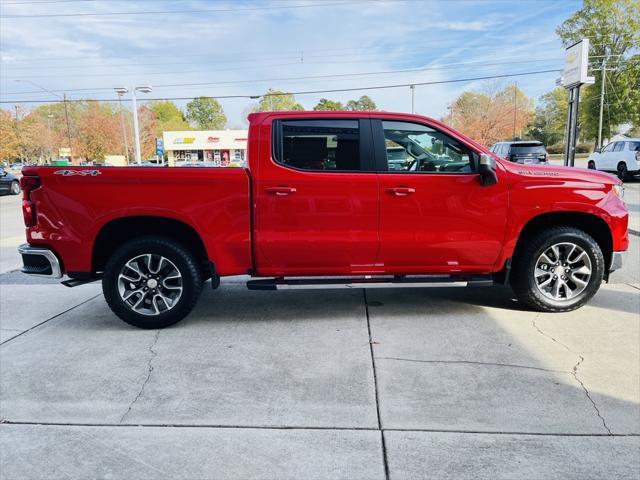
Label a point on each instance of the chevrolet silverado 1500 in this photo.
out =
(330, 199)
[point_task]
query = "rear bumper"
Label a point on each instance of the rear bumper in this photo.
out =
(39, 261)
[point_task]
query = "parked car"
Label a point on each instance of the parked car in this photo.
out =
(621, 157)
(9, 183)
(521, 151)
(452, 215)
(16, 166)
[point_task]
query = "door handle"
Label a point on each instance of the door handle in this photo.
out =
(401, 191)
(281, 191)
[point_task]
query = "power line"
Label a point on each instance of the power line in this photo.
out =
(309, 92)
(182, 12)
(383, 72)
(307, 77)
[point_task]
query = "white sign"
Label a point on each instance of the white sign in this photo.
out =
(576, 62)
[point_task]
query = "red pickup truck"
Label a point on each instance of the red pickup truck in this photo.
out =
(330, 199)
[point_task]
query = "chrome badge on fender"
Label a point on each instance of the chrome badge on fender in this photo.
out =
(85, 173)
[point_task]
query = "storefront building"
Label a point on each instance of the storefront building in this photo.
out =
(214, 148)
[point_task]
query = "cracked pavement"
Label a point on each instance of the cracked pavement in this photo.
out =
(397, 384)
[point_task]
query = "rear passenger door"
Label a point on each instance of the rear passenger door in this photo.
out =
(316, 205)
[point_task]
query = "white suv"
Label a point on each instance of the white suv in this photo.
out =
(621, 157)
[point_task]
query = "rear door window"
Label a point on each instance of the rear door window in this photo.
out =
(318, 145)
(619, 146)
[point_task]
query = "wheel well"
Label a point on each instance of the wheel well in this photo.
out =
(115, 233)
(590, 224)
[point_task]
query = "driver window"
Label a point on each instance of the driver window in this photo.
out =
(415, 148)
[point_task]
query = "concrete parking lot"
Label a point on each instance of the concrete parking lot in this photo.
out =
(416, 383)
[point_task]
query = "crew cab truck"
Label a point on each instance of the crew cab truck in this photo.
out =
(320, 207)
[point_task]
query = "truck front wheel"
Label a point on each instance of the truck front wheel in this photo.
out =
(151, 282)
(558, 270)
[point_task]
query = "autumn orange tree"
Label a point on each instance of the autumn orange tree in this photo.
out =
(493, 114)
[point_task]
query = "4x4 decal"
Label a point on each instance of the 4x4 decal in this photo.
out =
(84, 173)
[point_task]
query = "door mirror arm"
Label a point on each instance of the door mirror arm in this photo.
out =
(487, 170)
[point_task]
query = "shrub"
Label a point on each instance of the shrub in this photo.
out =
(557, 148)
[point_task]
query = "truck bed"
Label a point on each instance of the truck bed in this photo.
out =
(75, 203)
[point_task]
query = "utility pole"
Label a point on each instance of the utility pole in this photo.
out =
(515, 107)
(50, 142)
(63, 98)
(124, 131)
(603, 79)
(413, 93)
(18, 130)
(66, 117)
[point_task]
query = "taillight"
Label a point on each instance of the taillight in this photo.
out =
(637, 155)
(28, 183)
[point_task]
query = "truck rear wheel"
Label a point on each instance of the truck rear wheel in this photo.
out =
(151, 282)
(558, 270)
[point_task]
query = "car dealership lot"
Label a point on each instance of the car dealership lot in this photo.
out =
(443, 383)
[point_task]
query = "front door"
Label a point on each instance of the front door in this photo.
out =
(434, 214)
(316, 199)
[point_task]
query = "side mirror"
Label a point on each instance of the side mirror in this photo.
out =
(487, 170)
(596, 150)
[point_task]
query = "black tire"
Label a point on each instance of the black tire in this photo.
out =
(523, 280)
(622, 171)
(591, 165)
(15, 188)
(180, 257)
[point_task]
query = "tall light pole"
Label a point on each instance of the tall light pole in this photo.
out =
(134, 106)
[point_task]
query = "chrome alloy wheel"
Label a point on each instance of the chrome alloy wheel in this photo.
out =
(563, 271)
(150, 284)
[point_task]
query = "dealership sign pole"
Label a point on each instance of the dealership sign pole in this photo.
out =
(574, 76)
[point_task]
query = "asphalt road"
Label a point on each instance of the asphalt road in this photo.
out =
(375, 384)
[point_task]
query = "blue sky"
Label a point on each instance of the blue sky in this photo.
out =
(245, 47)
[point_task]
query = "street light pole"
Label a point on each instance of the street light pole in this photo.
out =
(134, 106)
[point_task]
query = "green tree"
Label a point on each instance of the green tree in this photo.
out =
(325, 104)
(277, 101)
(613, 27)
(363, 104)
(550, 119)
(206, 113)
(169, 116)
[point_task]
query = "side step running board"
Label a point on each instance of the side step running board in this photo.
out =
(368, 282)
